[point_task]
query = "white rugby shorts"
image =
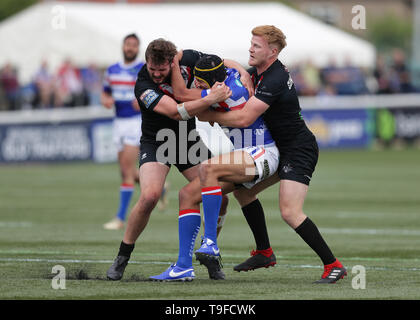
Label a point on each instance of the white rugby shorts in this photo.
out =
(266, 158)
(127, 131)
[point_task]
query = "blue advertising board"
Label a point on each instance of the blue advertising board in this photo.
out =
(343, 128)
(45, 142)
(92, 139)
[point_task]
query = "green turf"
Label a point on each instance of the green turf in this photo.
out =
(366, 204)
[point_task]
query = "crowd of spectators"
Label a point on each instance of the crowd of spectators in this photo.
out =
(71, 86)
(389, 76)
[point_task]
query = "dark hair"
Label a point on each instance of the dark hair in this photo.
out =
(160, 51)
(210, 69)
(131, 35)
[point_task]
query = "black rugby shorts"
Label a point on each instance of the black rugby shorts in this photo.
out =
(148, 151)
(298, 163)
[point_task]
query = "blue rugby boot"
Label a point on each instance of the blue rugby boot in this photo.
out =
(209, 255)
(175, 273)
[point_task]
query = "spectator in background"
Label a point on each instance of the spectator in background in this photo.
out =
(69, 86)
(400, 75)
(381, 74)
(299, 82)
(92, 84)
(44, 83)
(345, 80)
(353, 80)
(10, 86)
(327, 73)
(311, 78)
(327, 91)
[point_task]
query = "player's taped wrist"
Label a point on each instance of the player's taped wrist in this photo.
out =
(183, 112)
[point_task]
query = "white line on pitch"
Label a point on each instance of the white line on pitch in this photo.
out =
(392, 232)
(304, 266)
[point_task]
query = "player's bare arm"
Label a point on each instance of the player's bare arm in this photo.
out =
(135, 105)
(236, 118)
(107, 100)
(170, 108)
(181, 92)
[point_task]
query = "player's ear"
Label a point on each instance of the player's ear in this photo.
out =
(274, 50)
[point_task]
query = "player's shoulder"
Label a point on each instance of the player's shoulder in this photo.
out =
(113, 68)
(252, 71)
(233, 81)
(144, 81)
(277, 72)
(276, 76)
(139, 65)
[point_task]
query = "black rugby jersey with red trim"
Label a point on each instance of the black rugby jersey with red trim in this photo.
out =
(283, 117)
(148, 95)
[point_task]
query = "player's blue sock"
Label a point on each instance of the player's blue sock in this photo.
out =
(212, 201)
(189, 222)
(126, 191)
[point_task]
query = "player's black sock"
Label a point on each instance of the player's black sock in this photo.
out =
(310, 234)
(254, 215)
(126, 249)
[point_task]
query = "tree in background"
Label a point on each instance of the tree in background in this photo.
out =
(10, 7)
(390, 31)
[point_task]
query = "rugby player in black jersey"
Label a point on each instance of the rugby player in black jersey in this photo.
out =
(160, 111)
(275, 98)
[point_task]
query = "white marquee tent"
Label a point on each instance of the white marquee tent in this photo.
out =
(87, 32)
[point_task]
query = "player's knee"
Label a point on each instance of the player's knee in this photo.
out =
(287, 212)
(149, 199)
(183, 196)
(188, 196)
(205, 170)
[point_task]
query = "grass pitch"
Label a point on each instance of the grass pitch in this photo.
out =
(366, 204)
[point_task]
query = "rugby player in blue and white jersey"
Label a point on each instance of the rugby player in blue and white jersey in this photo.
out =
(118, 91)
(254, 158)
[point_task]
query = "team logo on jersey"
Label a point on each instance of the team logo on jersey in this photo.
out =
(265, 93)
(238, 83)
(290, 82)
(148, 97)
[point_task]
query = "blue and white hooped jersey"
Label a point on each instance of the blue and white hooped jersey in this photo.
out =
(254, 135)
(119, 81)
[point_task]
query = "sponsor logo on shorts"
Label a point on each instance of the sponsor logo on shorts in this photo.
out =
(287, 168)
(266, 170)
